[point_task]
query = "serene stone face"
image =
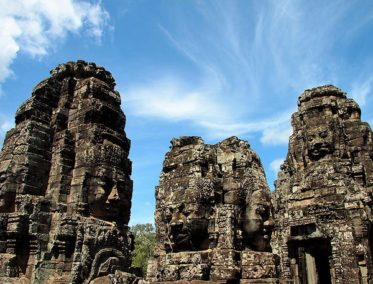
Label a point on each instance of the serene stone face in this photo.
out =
(258, 224)
(319, 142)
(107, 188)
(187, 226)
(106, 198)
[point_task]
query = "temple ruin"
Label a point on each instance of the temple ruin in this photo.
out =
(65, 186)
(66, 189)
(213, 215)
(323, 197)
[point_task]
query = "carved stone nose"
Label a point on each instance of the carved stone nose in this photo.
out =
(268, 224)
(176, 225)
(318, 145)
(113, 195)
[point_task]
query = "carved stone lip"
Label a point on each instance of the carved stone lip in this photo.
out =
(181, 238)
(320, 151)
(110, 208)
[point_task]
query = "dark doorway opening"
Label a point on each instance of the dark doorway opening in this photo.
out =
(22, 252)
(310, 261)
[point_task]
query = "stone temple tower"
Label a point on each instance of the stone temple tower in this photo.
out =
(213, 215)
(323, 197)
(65, 186)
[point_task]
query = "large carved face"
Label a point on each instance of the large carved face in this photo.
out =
(186, 214)
(257, 223)
(319, 142)
(187, 226)
(108, 197)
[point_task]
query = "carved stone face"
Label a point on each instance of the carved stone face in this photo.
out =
(319, 142)
(107, 198)
(187, 226)
(107, 261)
(257, 223)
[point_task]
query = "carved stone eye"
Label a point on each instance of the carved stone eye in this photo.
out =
(100, 191)
(260, 210)
(323, 134)
(2, 178)
(181, 208)
(168, 214)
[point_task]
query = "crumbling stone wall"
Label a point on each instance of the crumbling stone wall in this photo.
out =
(323, 195)
(213, 215)
(65, 187)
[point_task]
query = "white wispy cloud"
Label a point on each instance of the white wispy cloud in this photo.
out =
(5, 124)
(278, 134)
(270, 128)
(261, 56)
(36, 26)
(275, 165)
(170, 98)
(361, 89)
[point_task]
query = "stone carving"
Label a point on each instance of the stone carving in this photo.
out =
(65, 187)
(65, 195)
(323, 195)
(213, 211)
(257, 221)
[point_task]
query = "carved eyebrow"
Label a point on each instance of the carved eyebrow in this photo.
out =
(2, 177)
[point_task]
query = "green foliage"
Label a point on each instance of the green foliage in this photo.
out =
(144, 245)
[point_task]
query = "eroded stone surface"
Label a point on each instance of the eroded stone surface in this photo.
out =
(65, 187)
(213, 211)
(323, 195)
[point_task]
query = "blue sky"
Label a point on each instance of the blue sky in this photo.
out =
(207, 68)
